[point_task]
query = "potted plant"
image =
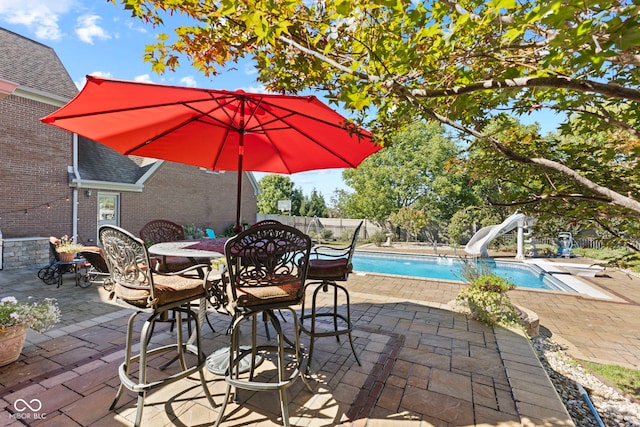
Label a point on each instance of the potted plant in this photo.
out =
(66, 247)
(16, 318)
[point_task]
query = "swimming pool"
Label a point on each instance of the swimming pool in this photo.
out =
(449, 268)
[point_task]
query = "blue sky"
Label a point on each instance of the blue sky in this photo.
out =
(98, 37)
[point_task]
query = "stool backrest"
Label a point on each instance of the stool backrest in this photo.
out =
(127, 258)
(161, 230)
(272, 255)
(354, 241)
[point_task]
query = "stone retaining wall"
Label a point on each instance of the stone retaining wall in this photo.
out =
(25, 252)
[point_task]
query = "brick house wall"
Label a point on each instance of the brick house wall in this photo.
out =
(188, 195)
(36, 194)
(35, 198)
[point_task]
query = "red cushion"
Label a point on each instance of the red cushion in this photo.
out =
(329, 268)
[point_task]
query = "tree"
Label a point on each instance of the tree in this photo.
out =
(553, 198)
(396, 61)
(409, 219)
(273, 188)
(339, 201)
(413, 171)
(316, 206)
(297, 199)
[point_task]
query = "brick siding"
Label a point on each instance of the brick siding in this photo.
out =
(187, 195)
(35, 198)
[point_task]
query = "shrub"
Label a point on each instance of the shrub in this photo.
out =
(486, 297)
(378, 238)
(326, 234)
(191, 231)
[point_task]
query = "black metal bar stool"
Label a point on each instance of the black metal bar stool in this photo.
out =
(329, 266)
(266, 270)
(148, 292)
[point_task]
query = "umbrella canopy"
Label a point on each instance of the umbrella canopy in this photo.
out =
(214, 129)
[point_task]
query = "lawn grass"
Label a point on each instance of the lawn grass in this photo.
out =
(626, 379)
(616, 257)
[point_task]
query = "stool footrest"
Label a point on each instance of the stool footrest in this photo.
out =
(335, 332)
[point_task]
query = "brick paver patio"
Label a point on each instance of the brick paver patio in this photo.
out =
(423, 364)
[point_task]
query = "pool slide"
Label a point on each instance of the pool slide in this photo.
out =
(478, 243)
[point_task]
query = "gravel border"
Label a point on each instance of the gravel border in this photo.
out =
(612, 406)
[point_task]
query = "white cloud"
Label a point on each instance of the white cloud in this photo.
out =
(106, 74)
(143, 78)
(130, 24)
(82, 82)
(255, 89)
(250, 69)
(189, 81)
(87, 29)
(39, 16)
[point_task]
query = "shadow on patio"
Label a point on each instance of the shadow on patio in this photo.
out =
(421, 365)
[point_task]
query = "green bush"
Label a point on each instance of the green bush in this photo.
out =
(326, 234)
(378, 238)
(486, 297)
(191, 231)
(322, 235)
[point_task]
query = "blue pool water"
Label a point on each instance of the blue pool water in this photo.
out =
(449, 268)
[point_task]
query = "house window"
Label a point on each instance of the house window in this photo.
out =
(108, 209)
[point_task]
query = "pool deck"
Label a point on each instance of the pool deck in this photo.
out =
(601, 330)
(423, 364)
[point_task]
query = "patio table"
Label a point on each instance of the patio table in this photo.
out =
(195, 250)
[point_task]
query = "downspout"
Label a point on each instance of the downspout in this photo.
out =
(76, 175)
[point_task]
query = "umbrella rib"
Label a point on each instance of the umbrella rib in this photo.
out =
(135, 108)
(220, 106)
(310, 117)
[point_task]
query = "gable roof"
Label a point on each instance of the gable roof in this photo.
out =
(97, 162)
(34, 65)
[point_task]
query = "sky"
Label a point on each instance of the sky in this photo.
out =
(100, 38)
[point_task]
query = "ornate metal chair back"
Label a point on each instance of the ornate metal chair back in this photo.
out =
(161, 230)
(352, 247)
(268, 265)
(266, 222)
(128, 261)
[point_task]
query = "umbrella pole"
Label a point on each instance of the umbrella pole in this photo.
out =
(238, 227)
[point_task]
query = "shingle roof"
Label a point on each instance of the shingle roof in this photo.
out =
(98, 162)
(36, 66)
(32, 64)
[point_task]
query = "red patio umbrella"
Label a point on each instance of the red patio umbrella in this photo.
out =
(214, 129)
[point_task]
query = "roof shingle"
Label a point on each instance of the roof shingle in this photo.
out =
(34, 65)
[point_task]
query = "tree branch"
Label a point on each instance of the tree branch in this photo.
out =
(556, 82)
(411, 95)
(540, 199)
